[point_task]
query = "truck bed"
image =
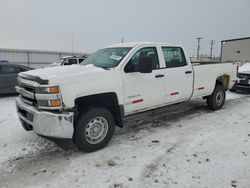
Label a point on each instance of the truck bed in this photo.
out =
(205, 74)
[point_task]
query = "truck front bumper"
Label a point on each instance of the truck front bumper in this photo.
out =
(243, 84)
(44, 123)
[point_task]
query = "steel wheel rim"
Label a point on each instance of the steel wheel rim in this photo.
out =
(96, 130)
(219, 97)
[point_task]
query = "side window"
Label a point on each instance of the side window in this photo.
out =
(72, 61)
(132, 65)
(8, 70)
(81, 60)
(174, 57)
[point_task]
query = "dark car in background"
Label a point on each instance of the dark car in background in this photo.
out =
(8, 77)
(4, 61)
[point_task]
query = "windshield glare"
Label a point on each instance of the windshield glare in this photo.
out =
(107, 57)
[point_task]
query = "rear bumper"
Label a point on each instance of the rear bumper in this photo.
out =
(44, 123)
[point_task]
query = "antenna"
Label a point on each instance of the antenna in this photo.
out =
(72, 42)
(211, 49)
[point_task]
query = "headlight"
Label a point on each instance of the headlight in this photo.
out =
(48, 97)
(47, 90)
(53, 90)
(49, 103)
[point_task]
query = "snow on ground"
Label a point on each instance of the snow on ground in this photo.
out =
(184, 145)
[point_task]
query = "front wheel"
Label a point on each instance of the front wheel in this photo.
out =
(94, 129)
(217, 99)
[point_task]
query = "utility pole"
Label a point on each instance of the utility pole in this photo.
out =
(122, 40)
(211, 49)
(72, 40)
(198, 47)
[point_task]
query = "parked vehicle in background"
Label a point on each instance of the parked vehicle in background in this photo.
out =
(4, 61)
(86, 102)
(8, 76)
(68, 60)
(244, 76)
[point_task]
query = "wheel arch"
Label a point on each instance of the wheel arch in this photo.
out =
(223, 80)
(106, 100)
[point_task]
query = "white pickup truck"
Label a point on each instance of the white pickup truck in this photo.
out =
(85, 102)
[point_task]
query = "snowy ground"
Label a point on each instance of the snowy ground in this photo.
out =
(184, 145)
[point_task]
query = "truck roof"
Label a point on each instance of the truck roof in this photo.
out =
(133, 44)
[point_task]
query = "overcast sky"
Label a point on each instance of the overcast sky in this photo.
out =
(50, 24)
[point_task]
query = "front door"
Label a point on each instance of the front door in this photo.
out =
(143, 90)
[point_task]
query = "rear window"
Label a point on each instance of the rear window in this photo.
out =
(174, 57)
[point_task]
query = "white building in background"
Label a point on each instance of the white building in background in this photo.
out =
(204, 58)
(235, 50)
(33, 58)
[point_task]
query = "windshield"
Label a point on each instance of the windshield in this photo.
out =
(106, 58)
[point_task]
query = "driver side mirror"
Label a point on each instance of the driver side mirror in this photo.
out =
(145, 65)
(130, 67)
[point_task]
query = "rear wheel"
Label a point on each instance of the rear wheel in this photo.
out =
(94, 129)
(217, 99)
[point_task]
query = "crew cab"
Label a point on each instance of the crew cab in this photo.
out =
(85, 102)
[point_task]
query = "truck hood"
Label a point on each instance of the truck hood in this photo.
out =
(245, 69)
(56, 73)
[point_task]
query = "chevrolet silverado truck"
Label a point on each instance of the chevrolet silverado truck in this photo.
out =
(85, 102)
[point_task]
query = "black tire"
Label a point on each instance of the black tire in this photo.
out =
(85, 125)
(217, 99)
(234, 88)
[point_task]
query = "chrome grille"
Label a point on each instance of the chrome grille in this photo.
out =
(26, 93)
(28, 101)
(29, 116)
(246, 76)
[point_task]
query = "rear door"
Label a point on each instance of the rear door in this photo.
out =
(8, 78)
(143, 90)
(179, 75)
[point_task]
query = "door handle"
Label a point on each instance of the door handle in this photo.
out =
(159, 75)
(188, 72)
